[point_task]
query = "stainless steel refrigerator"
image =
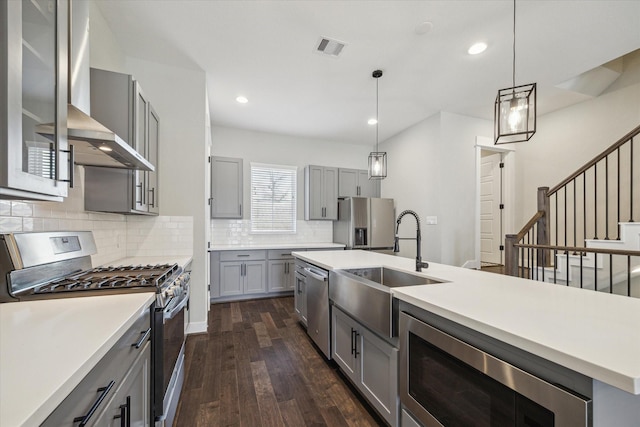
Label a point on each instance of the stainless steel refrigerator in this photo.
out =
(365, 223)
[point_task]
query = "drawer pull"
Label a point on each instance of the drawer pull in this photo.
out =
(145, 336)
(103, 393)
(242, 255)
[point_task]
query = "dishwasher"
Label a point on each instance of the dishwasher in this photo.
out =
(318, 319)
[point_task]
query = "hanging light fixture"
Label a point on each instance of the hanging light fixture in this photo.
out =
(377, 159)
(515, 107)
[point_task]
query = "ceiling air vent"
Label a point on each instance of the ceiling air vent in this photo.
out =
(330, 47)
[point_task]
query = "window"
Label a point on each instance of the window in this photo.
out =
(273, 198)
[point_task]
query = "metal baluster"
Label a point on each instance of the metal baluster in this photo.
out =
(567, 270)
(628, 275)
(581, 270)
(556, 230)
(610, 273)
(584, 208)
(618, 195)
(522, 262)
(543, 266)
(566, 243)
(595, 272)
(631, 180)
(575, 221)
(606, 198)
(555, 265)
(595, 201)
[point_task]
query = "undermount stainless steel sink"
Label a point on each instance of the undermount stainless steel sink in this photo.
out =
(391, 278)
(365, 293)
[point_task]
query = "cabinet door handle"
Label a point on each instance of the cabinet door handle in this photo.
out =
(153, 199)
(139, 202)
(145, 336)
(103, 393)
(243, 269)
(122, 415)
(353, 341)
(72, 160)
(355, 347)
(240, 211)
(358, 190)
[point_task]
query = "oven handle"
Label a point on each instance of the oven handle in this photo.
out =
(170, 312)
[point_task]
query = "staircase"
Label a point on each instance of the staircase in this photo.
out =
(579, 237)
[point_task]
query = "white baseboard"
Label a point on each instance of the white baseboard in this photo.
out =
(196, 328)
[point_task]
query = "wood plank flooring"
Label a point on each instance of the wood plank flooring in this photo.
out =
(256, 367)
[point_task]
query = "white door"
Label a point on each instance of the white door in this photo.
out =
(490, 226)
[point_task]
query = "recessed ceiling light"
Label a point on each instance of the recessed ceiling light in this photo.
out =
(242, 100)
(372, 121)
(477, 48)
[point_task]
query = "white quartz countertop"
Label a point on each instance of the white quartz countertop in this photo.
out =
(48, 346)
(593, 333)
(276, 246)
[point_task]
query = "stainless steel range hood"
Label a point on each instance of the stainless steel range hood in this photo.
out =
(93, 143)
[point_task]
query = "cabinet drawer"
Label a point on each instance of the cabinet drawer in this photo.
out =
(101, 383)
(281, 253)
(242, 255)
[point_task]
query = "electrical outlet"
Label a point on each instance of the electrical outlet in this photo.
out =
(432, 220)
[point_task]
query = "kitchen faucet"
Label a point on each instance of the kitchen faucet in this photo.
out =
(396, 246)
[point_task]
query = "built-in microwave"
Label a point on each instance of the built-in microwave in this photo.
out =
(447, 382)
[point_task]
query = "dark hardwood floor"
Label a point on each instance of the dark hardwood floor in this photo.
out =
(256, 366)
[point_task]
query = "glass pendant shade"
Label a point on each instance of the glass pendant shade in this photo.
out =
(377, 165)
(515, 114)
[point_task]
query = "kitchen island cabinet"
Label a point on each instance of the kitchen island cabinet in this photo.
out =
(591, 334)
(59, 342)
(368, 361)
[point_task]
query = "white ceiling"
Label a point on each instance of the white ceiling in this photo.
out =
(264, 50)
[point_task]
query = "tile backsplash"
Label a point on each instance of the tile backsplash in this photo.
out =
(238, 232)
(117, 236)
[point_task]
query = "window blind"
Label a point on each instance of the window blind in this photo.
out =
(273, 198)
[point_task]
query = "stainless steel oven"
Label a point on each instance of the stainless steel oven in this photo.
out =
(47, 265)
(447, 382)
(169, 339)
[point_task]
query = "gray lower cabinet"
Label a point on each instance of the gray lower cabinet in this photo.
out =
(242, 277)
(282, 270)
(131, 402)
(121, 377)
(368, 361)
(300, 295)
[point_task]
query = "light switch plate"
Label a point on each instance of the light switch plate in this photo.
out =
(432, 220)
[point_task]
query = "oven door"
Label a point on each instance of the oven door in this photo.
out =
(447, 382)
(169, 340)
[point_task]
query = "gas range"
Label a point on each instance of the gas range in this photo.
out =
(58, 265)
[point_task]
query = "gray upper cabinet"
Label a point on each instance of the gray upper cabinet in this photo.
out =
(320, 193)
(356, 182)
(226, 187)
(118, 102)
(33, 95)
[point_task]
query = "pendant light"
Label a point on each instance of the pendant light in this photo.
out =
(377, 159)
(515, 107)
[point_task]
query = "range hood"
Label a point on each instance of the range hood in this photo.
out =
(95, 145)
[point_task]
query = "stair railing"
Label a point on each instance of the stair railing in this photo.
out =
(589, 204)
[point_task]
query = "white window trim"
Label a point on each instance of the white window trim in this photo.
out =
(294, 169)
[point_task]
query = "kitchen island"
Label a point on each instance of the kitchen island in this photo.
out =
(591, 333)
